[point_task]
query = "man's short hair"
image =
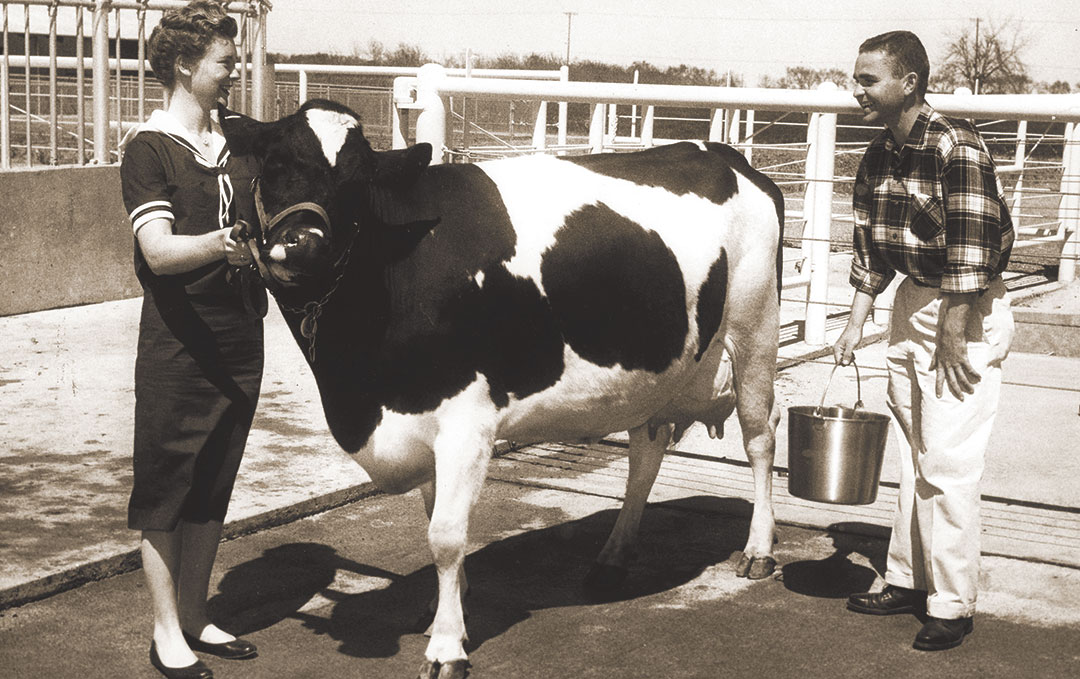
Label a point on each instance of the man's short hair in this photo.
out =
(907, 53)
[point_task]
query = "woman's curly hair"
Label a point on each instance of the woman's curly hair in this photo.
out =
(184, 34)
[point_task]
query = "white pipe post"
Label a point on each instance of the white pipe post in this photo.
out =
(716, 125)
(1018, 161)
(749, 150)
(431, 121)
(647, 127)
(258, 66)
(1070, 204)
(820, 227)
(564, 76)
(539, 140)
(733, 129)
(612, 123)
(809, 170)
(302, 96)
(100, 50)
(596, 129)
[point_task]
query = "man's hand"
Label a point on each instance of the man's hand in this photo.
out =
(950, 357)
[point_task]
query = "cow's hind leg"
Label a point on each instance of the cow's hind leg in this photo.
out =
(754, 363)
(462, 450)
(646, 452)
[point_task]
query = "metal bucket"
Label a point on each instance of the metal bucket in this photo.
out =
(835, 453)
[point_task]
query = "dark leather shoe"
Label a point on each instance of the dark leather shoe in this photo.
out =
(237, 649)
(939, 633)
(196, 670)
(889, 601)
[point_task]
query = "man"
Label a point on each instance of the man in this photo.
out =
(928, 204)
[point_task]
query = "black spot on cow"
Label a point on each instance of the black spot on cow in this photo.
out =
(680, 168)
(710, 306)
(518, 344)
(616, 291)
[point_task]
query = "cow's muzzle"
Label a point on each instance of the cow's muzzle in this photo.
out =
(290, 252)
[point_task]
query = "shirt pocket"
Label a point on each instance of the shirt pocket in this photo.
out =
(927, 217)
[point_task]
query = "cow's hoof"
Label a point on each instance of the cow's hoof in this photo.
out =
(755, 567)
(604, 580)
(455, 669)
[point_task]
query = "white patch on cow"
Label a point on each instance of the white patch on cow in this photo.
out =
(330, 127)
(277, 253)
(479, 278)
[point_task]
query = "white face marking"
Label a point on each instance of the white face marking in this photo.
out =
(479, 278)
(330, 127)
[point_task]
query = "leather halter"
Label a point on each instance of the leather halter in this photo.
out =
(313, 309)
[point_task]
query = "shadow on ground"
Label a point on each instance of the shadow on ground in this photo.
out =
(509, 578)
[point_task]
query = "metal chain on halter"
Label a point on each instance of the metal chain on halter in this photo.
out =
(309, 325)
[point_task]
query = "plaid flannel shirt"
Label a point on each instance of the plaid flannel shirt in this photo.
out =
(933, 209)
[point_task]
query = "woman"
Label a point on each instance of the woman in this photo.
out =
(200, 355)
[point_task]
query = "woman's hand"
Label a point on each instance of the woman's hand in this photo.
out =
(237, 252)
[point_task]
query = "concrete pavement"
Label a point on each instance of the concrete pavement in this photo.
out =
(65, 409)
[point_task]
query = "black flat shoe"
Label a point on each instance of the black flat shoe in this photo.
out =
(939, 634)
(196, 670)
(889, 601)
(237, 649)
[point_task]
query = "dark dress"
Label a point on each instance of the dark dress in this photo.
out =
(199, 364)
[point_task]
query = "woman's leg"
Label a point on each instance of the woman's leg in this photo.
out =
(200, 546)
(161, 556)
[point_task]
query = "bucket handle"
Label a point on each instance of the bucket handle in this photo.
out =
(858, 386)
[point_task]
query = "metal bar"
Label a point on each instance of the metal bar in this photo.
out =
(400, 71)
(80, 89)
(53, 156)
(26, 82)
(258, 67)
(119, 87)
(5, 99)
(820, 226)
(142, 63)
(244, 27)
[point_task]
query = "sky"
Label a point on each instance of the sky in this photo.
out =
(751, 37)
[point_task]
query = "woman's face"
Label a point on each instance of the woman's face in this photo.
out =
(212, 76)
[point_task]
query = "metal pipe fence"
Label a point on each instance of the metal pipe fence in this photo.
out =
(43, 93)
(813, 163)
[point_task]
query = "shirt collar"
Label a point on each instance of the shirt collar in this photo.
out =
(917, 136)
(166, 123)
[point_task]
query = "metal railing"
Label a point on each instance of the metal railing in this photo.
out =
(111, 74)
(434, 90)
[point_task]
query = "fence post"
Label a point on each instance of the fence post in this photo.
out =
(596, 129)
(716, 125)
(647, 126)
(564, 76)
(431, 121)
(539, 140)
(258, 65)
(1018, 160)
(820, 226)
(301, 94)
(749, 150)
(1070, 204)
(101, 81)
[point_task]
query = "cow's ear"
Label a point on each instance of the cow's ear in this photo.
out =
(243, 134)
(401, 167)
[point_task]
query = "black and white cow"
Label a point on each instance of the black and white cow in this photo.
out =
(531, 299)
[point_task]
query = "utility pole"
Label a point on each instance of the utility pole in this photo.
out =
(569, 18)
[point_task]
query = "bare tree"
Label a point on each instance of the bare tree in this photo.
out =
(806, 78)
(986, 58)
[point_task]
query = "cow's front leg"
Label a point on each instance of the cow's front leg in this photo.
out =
(427, 619)
(755, 372)
(462, 448)
(646, 454)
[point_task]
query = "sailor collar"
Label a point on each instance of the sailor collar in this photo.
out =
(166, 123)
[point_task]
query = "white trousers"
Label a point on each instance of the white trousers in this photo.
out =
(935, 536)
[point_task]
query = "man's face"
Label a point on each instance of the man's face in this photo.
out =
(878, 90)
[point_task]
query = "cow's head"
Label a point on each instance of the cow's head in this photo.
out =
(315, 170)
